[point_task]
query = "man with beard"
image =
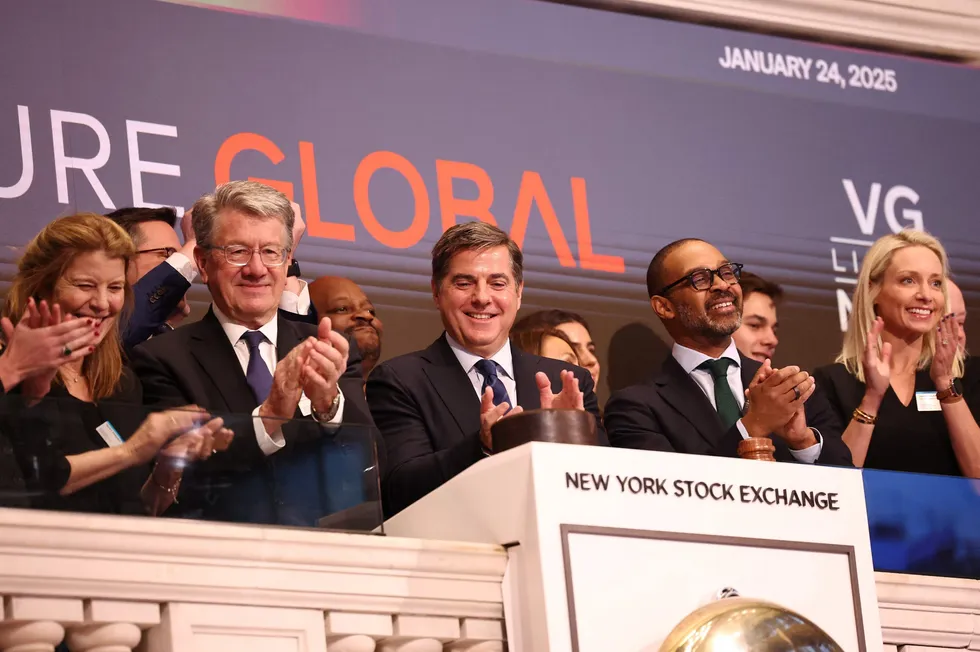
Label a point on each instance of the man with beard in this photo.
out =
(351, 312)
(707, 397)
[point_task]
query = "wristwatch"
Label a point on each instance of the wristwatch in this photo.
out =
(293, 269)
(330, 414)
(952, 393)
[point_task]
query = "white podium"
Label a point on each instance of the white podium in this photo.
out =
(610, 548)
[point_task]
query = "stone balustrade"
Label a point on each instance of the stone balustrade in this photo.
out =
(114, 584)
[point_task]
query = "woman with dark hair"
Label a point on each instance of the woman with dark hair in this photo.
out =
(548, 343)
(85, 446)
(576, 331)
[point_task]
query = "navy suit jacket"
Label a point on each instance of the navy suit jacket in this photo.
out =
(429, 416)
(318, 472)
(155, 298)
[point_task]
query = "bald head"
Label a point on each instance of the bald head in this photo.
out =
(352, 312)
(957, 306)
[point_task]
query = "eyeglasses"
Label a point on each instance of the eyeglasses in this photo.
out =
(163, 252)
(701, 279)
(240, 255)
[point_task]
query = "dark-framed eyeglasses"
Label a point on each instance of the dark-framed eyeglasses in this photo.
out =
(163, 252)
(240, 255)
(702, 279)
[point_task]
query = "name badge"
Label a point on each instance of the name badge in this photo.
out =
(305, 405)
(927, 402)
(109, 434)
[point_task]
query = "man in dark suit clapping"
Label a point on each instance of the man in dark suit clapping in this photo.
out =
(435, 407)
(244, 358)
(707, 397)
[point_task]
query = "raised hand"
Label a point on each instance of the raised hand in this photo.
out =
(287, 387)
(491, 414)
(947, 341)
(569, 398)
(299, 226)
(877, 361)
(325, 365)
(39, 344)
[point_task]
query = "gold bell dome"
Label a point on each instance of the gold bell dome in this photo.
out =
(747, 625)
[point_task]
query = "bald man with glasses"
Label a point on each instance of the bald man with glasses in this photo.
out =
(707, 397)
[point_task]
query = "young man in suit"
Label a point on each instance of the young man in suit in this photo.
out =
(435, 407)
(163, 270)
(707, 396)
(246, 359)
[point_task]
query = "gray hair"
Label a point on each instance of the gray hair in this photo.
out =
(250, 197)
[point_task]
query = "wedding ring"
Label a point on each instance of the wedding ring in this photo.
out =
(214, 450)
(173, 420)
(796, 391)
(66, 352)
(945, 341)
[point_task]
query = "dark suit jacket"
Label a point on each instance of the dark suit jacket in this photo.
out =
(196, 364)
(155, 298)
(429, 416)
(671, 413)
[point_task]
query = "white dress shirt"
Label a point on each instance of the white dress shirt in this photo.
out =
(689, 360)
(269, 443)
(505, 368)
(298, 304)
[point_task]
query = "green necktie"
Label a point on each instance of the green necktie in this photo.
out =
(725, 402)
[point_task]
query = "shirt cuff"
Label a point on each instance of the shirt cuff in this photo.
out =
(269, 444)
(339, 417)
(741, 429)
(809, 455)
(298, 304)
(805, 455)
(184, 265)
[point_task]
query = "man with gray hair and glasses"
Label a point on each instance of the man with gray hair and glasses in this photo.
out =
(244, 358)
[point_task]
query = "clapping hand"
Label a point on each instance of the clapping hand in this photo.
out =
(877, 360)
(324, 366)
(491, 414)
(42, 341)
(947, 342)
(569, 398)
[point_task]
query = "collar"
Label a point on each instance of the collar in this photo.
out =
(235, 331)
(690, 359)
(504, 357)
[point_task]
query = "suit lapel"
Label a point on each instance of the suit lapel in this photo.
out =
(684, 395)
(217, 358)
(525, 367)
(452, 385)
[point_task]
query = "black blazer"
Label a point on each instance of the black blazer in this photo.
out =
(41, 436)
(429, 416)
(196, 364)
(671, 413)
(903, 439)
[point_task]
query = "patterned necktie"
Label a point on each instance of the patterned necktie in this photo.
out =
(257, 374)
(725, 402)
(488, 369)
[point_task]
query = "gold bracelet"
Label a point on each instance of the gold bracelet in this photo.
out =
(170, 491)
(861, 416)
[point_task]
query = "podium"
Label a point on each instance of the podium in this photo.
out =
(608, 549)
